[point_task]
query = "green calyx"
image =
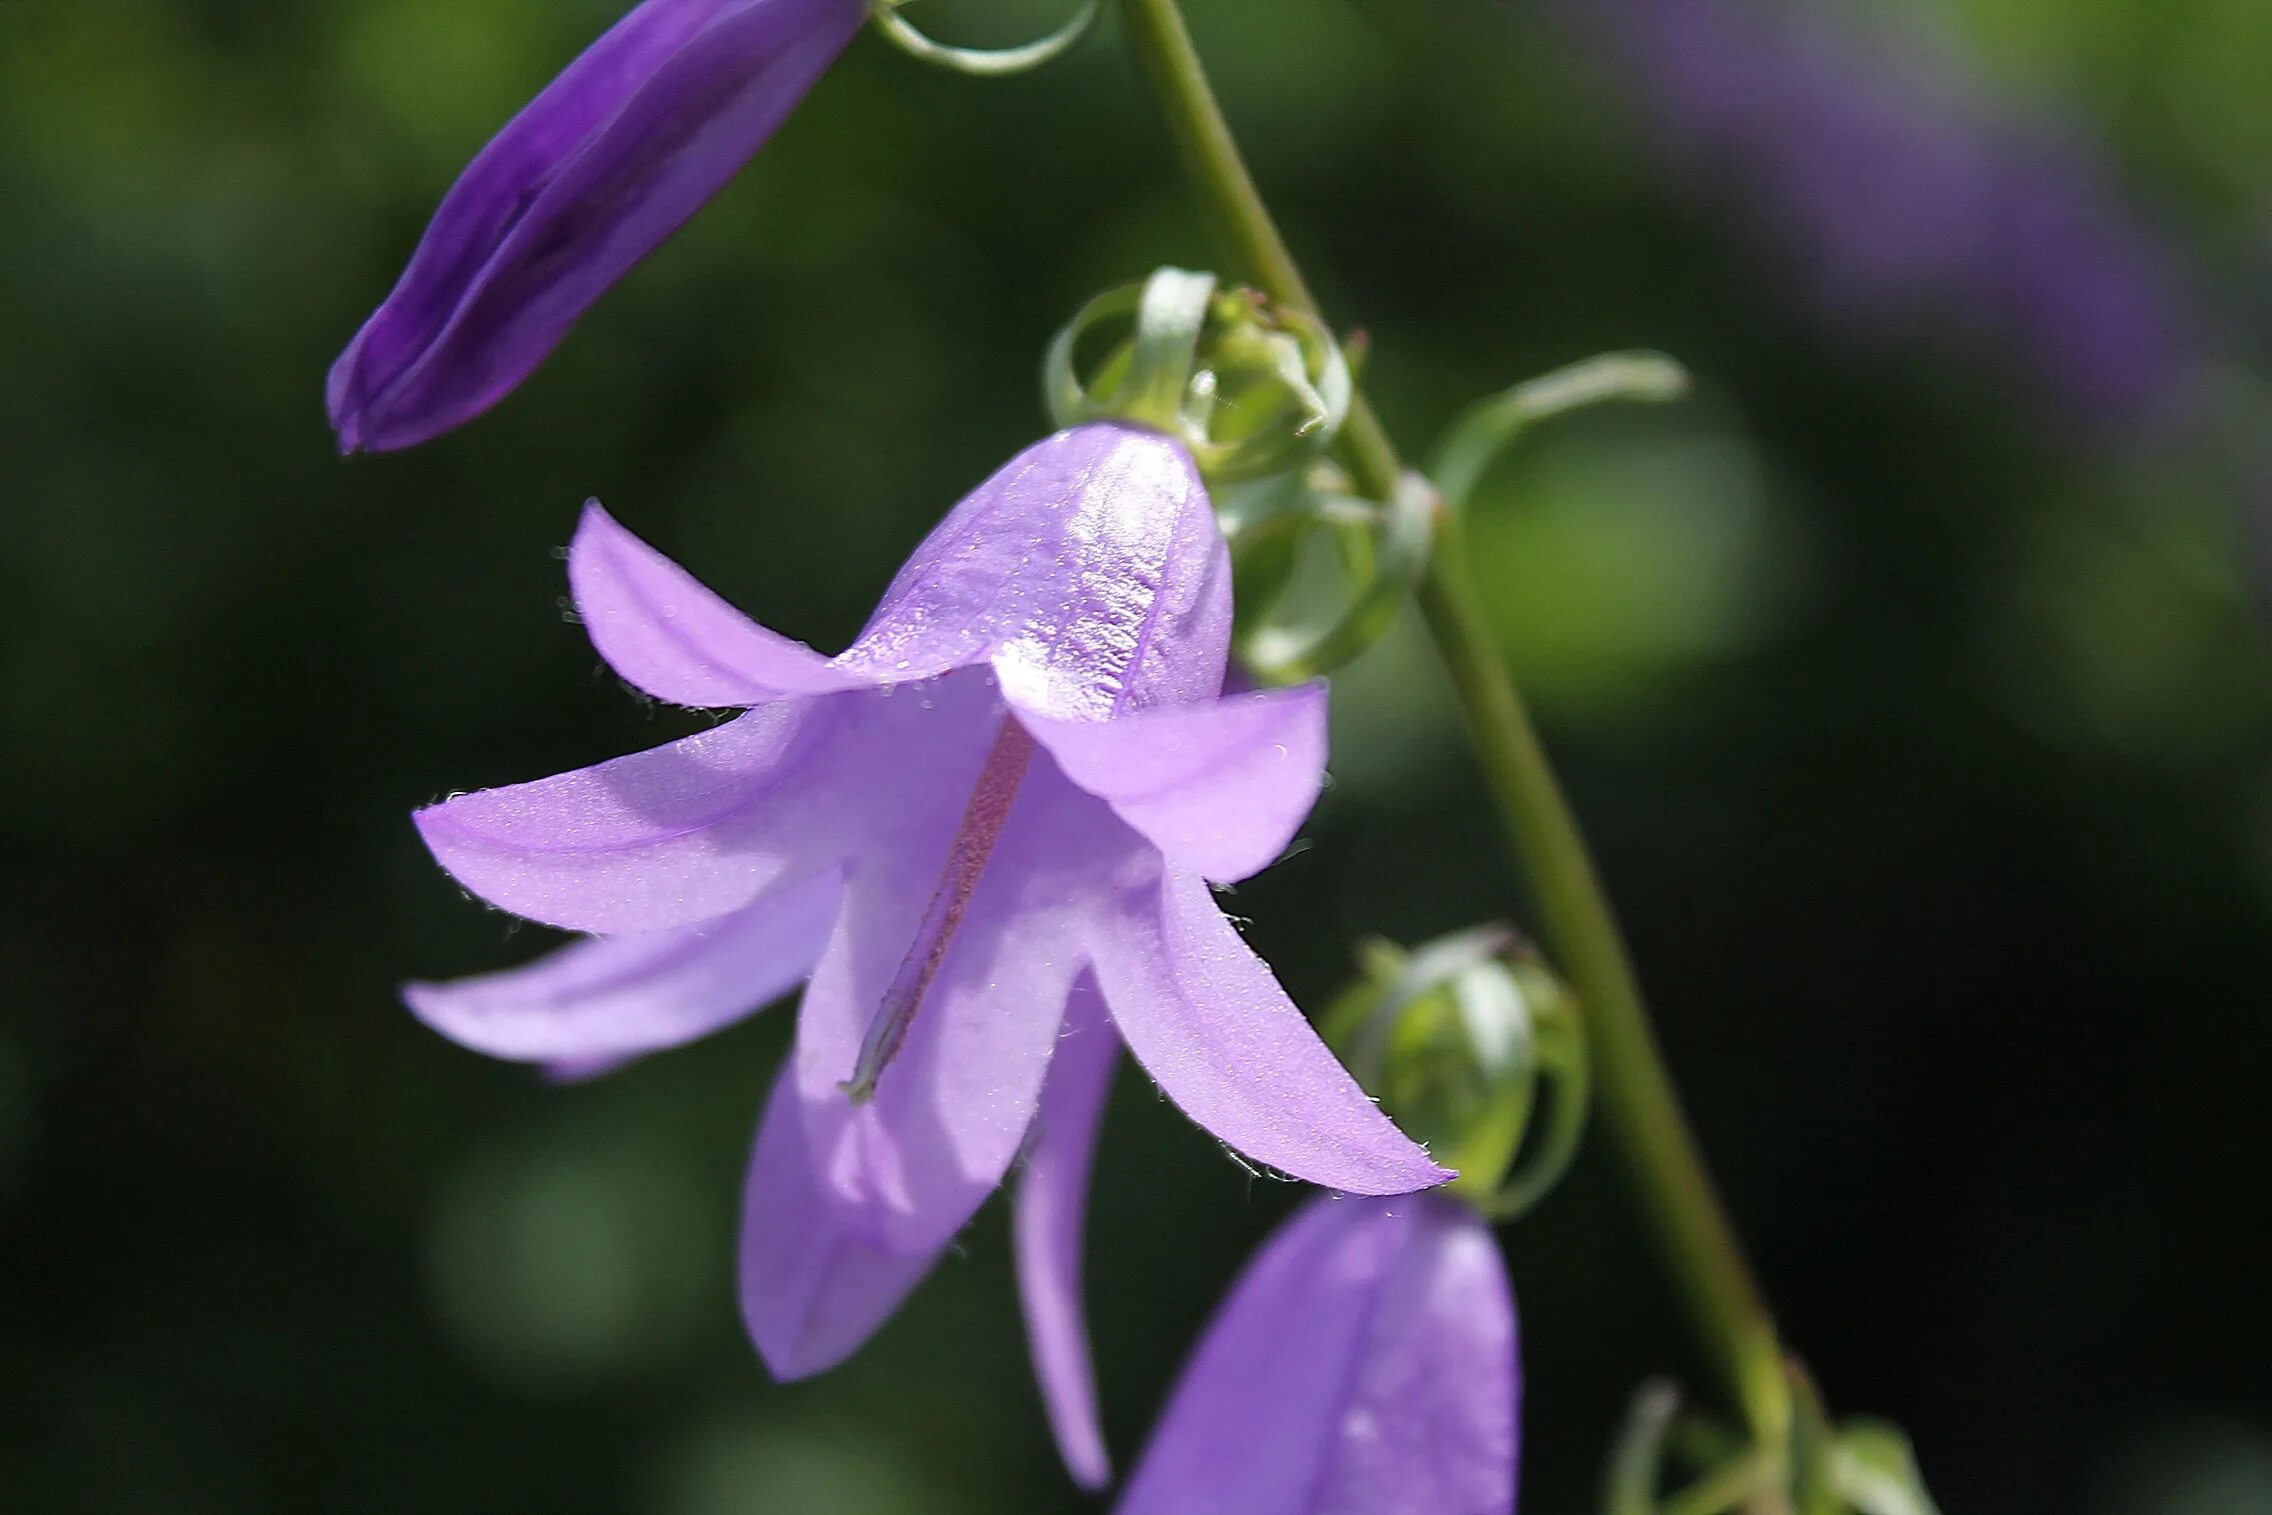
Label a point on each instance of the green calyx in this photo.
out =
(1250, 389)
(1459, 1040)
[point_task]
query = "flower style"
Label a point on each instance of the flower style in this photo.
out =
(588, 179)
(1364, 1362)
(988, 827)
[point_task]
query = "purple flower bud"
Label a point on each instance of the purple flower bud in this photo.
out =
(1364, 1362)
(588, 179)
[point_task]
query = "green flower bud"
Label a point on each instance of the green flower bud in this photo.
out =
(1251, 389)
(1456, 1039)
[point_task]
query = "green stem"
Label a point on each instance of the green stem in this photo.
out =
(1635, 1092)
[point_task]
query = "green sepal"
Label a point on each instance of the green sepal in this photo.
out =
(979, 62)
(1491, 426)
(1384, 554)
(1875, 1467)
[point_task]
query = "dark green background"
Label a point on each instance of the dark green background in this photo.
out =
(1924, 743)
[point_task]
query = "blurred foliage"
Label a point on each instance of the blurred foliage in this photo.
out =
(1924, 744)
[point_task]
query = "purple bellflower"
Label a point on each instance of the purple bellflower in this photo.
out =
(987, 829)
(587, 180)
(1365, 1362)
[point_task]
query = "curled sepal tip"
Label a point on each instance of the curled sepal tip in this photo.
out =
(1490, 426)
(981, 62)
(1383, 551)
(1252, 389)
(1459, 1039)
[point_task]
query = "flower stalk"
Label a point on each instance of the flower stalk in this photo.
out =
(1633, 1088)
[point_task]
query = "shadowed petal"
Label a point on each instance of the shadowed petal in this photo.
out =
(811, 1291)
(949, 1112)
(1364, 1362)
(1209, 1023)
(602, 166)
(1088, 571)
(1050, 1209)
(667, 634)
(675, 835)
(590, 1006)
(1220, 786)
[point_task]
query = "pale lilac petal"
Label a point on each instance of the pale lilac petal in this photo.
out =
(701, 827)
(667, 634)
(1365, 1362)
(590, 1006)
(1209, 1023)
(952, 1108)
(1220, 786)
(811, 1291)
(1432, 1424)
(596, 172)
(1049, 1214)
(1089, 571)
(678, 834)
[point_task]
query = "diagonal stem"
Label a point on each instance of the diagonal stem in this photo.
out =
(1636, 1094)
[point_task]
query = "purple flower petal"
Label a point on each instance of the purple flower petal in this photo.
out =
(668, 634)
(812, 1292)
(668, 837)
(909, 1166)
(590, 1006)
(1209, 1023)
(1220, 786)
(592, 176)
(1088, 570)
(1364, 1362)
(1051, 1208)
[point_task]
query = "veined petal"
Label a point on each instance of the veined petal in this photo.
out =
(1049, 1214)
(1364, 1362)
(592, 1005)
(602, 166)
(668, 634)
(1220, 786)
(1088, 571)
(1209, 1023)
(678, 834)
(699, 828)
(910, 1165)
(812, 1292)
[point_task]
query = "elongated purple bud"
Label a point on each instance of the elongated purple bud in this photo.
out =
(589, 178)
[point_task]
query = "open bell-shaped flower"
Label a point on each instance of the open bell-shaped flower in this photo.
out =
(1365, 1362)
(610, 159)
(1008, 797)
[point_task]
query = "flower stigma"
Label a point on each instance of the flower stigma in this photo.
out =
(982, 822)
